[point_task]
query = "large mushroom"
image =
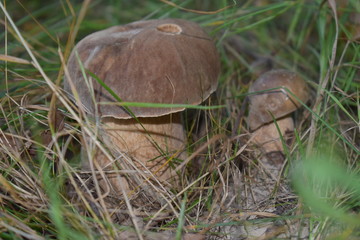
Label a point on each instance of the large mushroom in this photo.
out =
(169, 61)
(270, 100)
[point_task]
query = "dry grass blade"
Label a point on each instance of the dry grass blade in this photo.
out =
(12, 59)
(18, 227)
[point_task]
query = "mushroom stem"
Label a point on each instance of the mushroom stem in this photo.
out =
(152, 142)
(267, 137)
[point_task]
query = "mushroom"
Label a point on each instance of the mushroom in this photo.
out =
(169, 61)
(271, 101)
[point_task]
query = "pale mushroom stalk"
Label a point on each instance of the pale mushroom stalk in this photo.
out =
(268, 138)
(152, 142)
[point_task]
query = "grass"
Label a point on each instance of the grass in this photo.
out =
(229, 190)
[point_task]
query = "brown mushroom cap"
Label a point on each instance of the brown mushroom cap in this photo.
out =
(277, 102)
(156, 61)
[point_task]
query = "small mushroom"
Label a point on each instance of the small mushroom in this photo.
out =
(156, 61)
(271, 102)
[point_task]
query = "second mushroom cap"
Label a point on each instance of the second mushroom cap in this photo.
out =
(275, 101)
